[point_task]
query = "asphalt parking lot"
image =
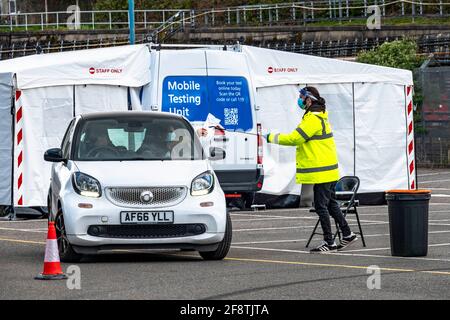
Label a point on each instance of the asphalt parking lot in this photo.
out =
(268, 260)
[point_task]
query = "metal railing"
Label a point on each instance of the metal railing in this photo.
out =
(112, 19)
(301, 12)
(332, 49)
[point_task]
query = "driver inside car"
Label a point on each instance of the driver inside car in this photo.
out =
(155, 144)
(96, 140)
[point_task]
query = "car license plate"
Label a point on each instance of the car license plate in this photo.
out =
(143, 217)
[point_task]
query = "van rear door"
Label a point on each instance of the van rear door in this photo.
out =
(212, 90)
(231, 101)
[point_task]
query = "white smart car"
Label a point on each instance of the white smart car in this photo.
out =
(129, 180)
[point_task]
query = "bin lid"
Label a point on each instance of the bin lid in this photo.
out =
(419, 191)
(408, 195)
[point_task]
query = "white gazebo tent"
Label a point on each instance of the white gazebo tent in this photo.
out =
(370, 110)
(53, 88)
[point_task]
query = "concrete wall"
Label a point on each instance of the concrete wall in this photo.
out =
(259, 34)
(309, 33)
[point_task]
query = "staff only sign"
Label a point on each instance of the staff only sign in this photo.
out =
(194, 97)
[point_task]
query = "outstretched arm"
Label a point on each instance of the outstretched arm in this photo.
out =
(300, 135)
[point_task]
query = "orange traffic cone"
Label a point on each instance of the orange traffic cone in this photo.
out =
(52, 267)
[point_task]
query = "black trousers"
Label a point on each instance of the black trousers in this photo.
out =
(326, 205)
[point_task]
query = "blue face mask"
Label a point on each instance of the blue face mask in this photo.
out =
(301, 103)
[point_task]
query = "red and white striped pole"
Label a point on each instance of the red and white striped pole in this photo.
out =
(19, 150)
(410, 138)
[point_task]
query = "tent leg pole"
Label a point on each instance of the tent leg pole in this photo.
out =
(12, 214)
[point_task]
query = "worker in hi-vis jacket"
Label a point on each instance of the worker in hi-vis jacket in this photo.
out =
(317, 164)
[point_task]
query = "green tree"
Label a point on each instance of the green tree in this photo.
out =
(111, 5)
(399, 54)
(396, 54)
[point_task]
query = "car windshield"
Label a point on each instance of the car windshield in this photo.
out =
(136, 138)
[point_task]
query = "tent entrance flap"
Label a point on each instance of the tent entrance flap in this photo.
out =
(44, 117)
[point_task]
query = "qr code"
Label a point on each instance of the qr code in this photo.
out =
(231, 116)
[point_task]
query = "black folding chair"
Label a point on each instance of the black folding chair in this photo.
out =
(346, 189)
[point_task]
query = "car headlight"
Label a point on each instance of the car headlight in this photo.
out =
(86, 185)
(202, 184)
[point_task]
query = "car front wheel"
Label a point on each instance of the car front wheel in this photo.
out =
(224, 246)
(66, 252)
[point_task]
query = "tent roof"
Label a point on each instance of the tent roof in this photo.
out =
(125, 65)
(293, 68)
(129, 66)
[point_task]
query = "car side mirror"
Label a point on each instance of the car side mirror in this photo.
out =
(216, 153)
(54, 155)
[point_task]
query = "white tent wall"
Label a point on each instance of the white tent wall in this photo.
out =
(6, 140)
(55, 87)
(366, 106)
(369, 130)
(339, 102)
(46, 113)
(44, 123)
(381, 137)
(101, 98)
(278, 113)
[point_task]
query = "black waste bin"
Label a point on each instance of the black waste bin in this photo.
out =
(408, 222)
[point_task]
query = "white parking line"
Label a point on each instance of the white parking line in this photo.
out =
(444, 231)
(269, 241)
(343, 254)
(432, 181)
(297, 218)
(301, 240)
(278, 218)
(274, 228)
(373, 207)
(388, 248)
(24, 221)
(261, 215)
(432, 174)
(42, 230)
(298, 227)
(440, 195)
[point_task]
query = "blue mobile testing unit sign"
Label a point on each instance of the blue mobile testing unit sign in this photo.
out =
(194, 97)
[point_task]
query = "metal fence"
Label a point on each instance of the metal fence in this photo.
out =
(333, 49)
(301, 12)
(433, 127)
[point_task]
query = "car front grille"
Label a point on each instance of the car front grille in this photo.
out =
(131, 197)
(146, 231)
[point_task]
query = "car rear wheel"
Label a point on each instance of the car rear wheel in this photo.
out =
(224, 246)
(66, 252)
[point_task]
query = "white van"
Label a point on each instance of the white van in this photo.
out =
(213, 89)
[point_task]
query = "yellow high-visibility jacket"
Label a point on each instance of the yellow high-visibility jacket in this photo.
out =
(316, 157)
